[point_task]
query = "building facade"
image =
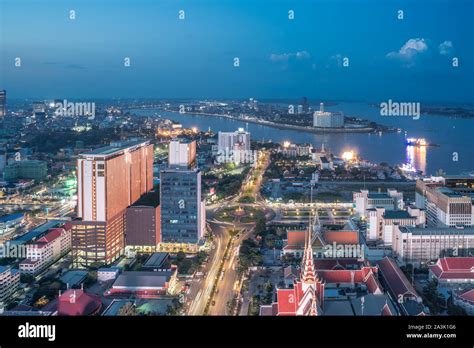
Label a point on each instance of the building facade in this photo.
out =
(109, 180)
(182, 153)
(234, 147)
(422, 245)
(26, 169)
(381, 222)
(324, 119)
(182, 207)
(143, 223)
(448, 201)
(364, 200)
(46, 250)
(9, 282)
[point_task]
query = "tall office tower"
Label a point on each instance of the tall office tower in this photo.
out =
(3, 103)
(182, 154)
(182, 209)
(183, 213)
(109, 180)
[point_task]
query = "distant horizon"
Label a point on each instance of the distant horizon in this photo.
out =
(264, 100)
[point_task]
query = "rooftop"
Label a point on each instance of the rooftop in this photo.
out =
(78, 302)
(378, 195)
(396, 281)
(338, 308)
(29, 236)
(150, 199)
(156, 259)
(437, 230)
(449, 192)
(397, 214)
(11, 217)
(373, 305)
(467, 296)
(143, 280)
(454, 268)
(115, 148)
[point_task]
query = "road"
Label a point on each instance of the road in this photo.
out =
(200, 290)
(200, 293)
(228, 285)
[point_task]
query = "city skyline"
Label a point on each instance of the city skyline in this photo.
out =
(239, 158)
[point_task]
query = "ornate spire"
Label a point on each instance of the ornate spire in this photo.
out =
(314, 304)
(308, 274)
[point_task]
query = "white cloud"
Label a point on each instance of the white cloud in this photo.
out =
(286, 57)
(409, 50)
(445, 48)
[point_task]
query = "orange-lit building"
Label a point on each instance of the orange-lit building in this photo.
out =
(109, 179)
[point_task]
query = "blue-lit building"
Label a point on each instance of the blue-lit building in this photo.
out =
(182, 208)
(183, 214)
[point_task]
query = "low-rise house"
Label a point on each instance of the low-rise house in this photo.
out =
(453, 271)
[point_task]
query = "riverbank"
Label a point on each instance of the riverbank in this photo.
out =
(314, 130)
(453, 135)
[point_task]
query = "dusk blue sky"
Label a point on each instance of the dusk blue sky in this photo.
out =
(406, 59)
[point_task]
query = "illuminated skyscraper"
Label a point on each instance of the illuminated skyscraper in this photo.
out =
(182, 208)
(109, 179)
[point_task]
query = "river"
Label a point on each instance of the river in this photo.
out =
(454, 135)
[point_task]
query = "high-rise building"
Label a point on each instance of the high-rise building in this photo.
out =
(3, 103)
(109, 179)
(234, 147)
(325, 119)
(182, 208)
(182, 154)
(183, 214)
